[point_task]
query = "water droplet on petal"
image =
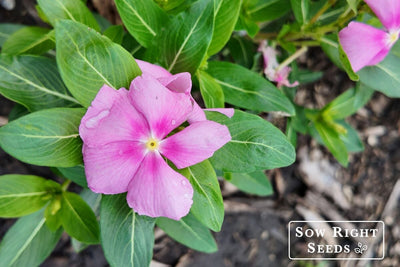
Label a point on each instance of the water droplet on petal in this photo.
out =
(186, 196)
(173, 122)
(94, 121)
(183, 182)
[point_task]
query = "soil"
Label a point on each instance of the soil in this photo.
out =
(254, 232)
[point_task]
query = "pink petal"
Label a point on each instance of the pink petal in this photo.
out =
(197, 114)
(179, 83)
(110, 118)
(195, 143)
(153, 70)
(388, 12)
(111, 167)
(363, 44)
(282, 78)
(157, 190)
(229, 112)
(163, 109)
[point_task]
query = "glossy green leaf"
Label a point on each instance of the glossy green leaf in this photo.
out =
(76, 174)
(351, 139)
(246, 89)
(301, 9)
(226, 15)
(189, 232)
(383, 77)
(28, 243)
(346, 65)
(267, 10)
(24, 194)
(28, 40)
(102, 21)
(211, 91)
(53, 215)
(256, 144)
(242, 51)
(88, 60)
(6, 30)
(127, 238)
(47, 138)
(185, 41)
(144, 19)
(17, 111)
(74, 10)
(330, 46)
(33, 82)
(78, 219)
(256, 183)
(115, 33)
(208, 206)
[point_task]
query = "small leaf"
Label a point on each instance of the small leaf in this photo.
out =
(28, 40)
(353, 5)
(78, 219)
(144, 19)
(46, 138)
(29, 242)
(24, 194)
(75, 10)
(330, 45)
(6, 29)
(267, 10)
(208, 206)
(301, 9)
(185, 41)
(351, 139)
(256, 144)
(33, 82)
(76, 174)
(256, 183)
(211, 91)
(52, 214)
(242, 51)
(246, 89)
(189, 232)
(115, 33)
(346, 65)
(88, 60)
(127, 238)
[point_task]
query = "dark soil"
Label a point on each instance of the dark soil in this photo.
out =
(254, 232)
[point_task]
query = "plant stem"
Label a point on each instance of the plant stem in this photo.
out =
(320, 12)
(65, 185)
(290, 59)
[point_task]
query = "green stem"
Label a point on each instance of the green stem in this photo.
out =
(320, 12)
(293, 57)
(65, 185)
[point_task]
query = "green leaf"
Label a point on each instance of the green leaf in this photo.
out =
(127, 238)
(75, 10)
(189, 232)
(267, 10)
(6, 29)
(383, 77)
(52, 214)
(256, 144)
(346, 65)
(88, 60)
(256, 183)
(28, 243)
(185, 41)
(301, 9)
(17, 111)
(330, 45)
(250, 26)
(144, 19)
(93, 200)
(332, 141)
(102, 21)
(353, 5)
(24, 194)
(226, 15)
(78, 219)
(246, 89)
(211, 91)
(115, 33)
(47, 138)
(33, 82)
(242, 51)
(76, 174)
(351, 139)
(208, 206)
(28, 40)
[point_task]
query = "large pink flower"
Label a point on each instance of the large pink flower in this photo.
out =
(126, 134)
(365, 45)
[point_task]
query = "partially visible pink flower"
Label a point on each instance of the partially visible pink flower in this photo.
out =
(180, 83)
(365, 45)
(271, 67)
(125, 136)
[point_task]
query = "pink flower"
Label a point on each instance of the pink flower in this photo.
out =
(126, 134)
(365, 45)
(271, 67)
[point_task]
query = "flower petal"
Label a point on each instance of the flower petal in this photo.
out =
(153, 70)
(229, 112)
(388, 12)
(157, 190)
(178, 83)
(111, 167)
(110, 118)
(363, 44)
(163, 109)
(197, 114)
(195, 143)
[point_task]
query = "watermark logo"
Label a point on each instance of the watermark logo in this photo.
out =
(336, 240)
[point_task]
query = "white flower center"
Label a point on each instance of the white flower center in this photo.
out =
(393, 37)
(152, 144)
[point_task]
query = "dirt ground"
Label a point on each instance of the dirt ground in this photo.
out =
(255, 232)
